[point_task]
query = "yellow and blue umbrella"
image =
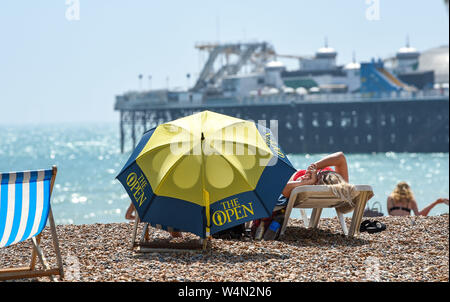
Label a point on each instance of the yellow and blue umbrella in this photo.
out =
(205, 173)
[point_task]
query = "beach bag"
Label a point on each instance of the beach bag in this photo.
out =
(374, 211)
(276, 215)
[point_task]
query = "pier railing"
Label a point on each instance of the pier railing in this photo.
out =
(140, 101)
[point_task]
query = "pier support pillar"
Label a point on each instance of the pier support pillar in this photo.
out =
(133, 128)
(144, 121)
(122, 133)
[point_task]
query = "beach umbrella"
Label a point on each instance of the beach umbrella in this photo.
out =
(205, 173)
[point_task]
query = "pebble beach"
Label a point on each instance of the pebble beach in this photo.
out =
(410, 249)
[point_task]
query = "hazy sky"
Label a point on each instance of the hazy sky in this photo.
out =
(54, 69)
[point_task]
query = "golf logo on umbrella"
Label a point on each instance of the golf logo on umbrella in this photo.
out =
(136, 185)
(232, 210)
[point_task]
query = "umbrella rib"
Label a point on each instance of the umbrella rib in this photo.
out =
(238, 122)
(233, 123)
(164, 145)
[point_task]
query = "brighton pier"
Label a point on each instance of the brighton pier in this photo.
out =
(352, 125)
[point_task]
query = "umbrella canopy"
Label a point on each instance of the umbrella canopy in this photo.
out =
(205, 173)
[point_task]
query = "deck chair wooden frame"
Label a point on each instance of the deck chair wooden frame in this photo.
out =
(318, 197)
(31, 271)
(143, 245)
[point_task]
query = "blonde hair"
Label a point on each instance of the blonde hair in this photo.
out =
(340, 188)
(401, 192)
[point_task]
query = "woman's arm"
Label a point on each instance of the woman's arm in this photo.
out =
(427, 210)
(310, 178)
(336, 160)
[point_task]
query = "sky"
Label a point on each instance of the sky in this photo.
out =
(66, 60)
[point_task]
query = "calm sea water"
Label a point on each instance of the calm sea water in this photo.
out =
(88, 159)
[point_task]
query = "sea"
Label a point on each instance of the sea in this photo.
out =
(88, 158)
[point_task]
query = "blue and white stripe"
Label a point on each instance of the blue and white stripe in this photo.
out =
(24, 205)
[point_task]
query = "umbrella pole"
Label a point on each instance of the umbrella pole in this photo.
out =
(206, 200)
(208, 223)
(205, 243)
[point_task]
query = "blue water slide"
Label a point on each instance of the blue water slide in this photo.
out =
(376, 79)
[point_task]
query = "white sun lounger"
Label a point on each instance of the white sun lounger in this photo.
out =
(318, 197)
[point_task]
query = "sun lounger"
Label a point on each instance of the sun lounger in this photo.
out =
(24, 211)
(318, 197)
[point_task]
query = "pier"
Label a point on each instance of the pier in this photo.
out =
(314, 125)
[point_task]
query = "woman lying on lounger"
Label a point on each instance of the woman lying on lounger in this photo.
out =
(401, 202)
(321, 173)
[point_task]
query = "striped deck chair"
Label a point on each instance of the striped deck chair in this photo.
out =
(24, 211)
